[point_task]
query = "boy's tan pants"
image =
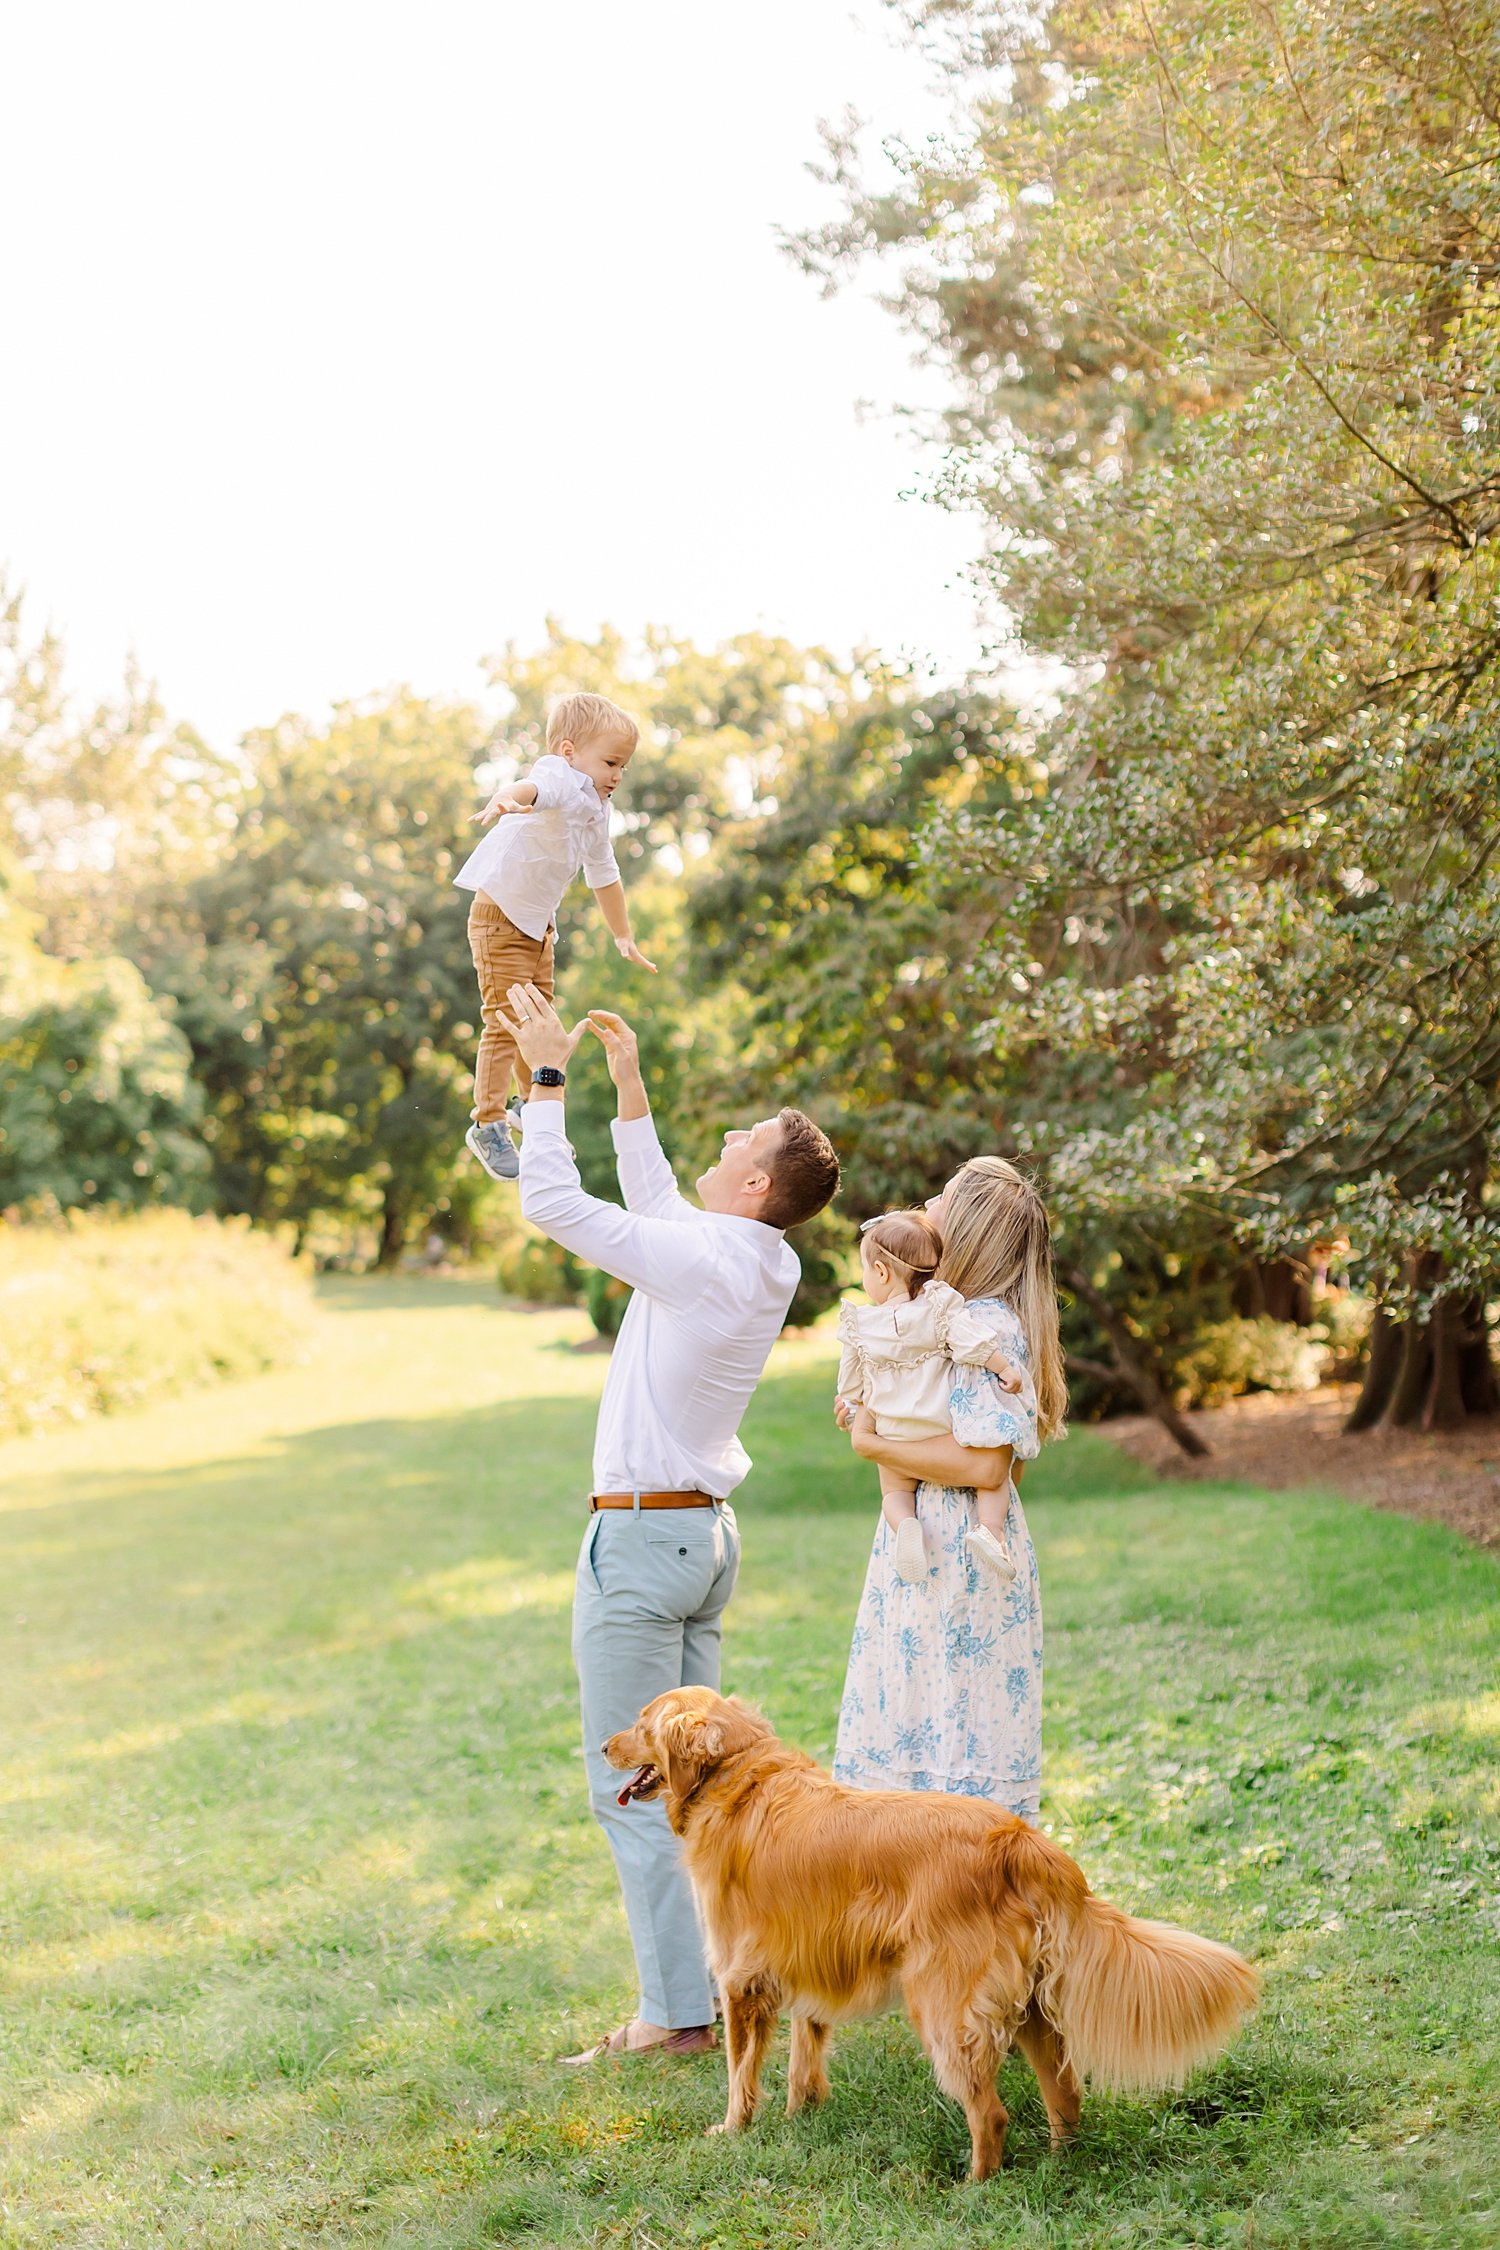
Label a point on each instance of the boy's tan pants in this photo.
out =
(503, 956)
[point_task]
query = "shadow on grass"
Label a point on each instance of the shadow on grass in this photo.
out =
(415, 1292)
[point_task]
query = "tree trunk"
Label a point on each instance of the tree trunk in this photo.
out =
(1476, 1367)
(1380, 1372)
(1444, 1407)
(1274, 1289)
(1413, 1376)
(1133, 1363)
(392, 1231)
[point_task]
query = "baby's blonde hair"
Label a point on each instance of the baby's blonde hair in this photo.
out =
(907, 1239)
(997, 1243)
(580, 718)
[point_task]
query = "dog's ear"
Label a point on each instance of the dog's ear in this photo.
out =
(689, 1744)
(692, 1743)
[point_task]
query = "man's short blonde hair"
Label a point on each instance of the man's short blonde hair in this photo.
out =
(580, 718)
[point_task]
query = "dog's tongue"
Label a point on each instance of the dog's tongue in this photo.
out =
(637, 1780)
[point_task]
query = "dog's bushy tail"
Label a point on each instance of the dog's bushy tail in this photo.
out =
(1137, 2004)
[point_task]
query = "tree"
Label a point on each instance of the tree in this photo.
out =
(97, 1105)
(101, 808)
(1216, 285)
(322, 972)
(844, 953)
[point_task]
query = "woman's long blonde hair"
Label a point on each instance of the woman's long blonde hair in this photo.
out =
(997, 1243)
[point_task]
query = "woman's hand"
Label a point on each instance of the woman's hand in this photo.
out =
(934, 1460)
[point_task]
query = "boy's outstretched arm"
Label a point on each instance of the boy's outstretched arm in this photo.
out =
(510, 797)
(611, 897)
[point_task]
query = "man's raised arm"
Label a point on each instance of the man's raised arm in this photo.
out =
(647, 1181)
(667, 1261)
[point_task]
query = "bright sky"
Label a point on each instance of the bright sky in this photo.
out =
(347, 339)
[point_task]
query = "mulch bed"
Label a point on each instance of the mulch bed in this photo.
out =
(1449, 1477)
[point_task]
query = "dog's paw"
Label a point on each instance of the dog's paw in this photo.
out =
(727, 2125)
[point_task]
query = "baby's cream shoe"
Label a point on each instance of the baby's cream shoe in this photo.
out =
(991, 1554)
(911, 1552)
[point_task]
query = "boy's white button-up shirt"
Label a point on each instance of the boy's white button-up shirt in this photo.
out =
(711, 1297)
(527, 860)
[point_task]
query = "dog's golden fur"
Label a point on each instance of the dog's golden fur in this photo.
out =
(831, 1902)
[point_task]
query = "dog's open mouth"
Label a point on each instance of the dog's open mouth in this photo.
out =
(644, 1782)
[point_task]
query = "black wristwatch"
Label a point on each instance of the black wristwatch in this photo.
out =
(547, 1074)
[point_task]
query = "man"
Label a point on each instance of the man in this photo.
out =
(661, 1551)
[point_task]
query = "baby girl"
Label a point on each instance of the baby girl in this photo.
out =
(899, 1356)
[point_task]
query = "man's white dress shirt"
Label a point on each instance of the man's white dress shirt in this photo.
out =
(711, 1297)
(527, 860)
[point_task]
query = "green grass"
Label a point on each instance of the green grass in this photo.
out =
(300, 1898)
(103, 1311)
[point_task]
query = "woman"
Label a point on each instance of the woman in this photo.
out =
(944, 1689)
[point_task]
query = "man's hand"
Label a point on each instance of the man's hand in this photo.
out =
(542, 1039)
(622, 1052)
(621, 1047)
(628, 950)
(504, 801)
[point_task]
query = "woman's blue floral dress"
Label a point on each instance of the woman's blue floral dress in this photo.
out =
(944, 1688)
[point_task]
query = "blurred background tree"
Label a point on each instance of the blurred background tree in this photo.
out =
(322, 974)
(1215, 287)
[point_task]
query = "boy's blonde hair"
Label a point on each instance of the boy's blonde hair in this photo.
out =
(997, 1243)
(580, 718)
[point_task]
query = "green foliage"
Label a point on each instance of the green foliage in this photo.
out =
(1217, 293)
(1226, 1357)
(711, 718)
(537, 1271)
(844, 954)
(323, 975)
(100, 807)
(1341, 1321)
(300, 1867)
(100, 1312)
(605, 1300)
(97, 1104)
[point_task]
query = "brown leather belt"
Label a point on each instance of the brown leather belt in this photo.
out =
(651, 1500)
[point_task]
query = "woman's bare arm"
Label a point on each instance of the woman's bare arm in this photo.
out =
(937, 1460)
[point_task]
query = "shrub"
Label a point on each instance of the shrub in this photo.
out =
(824, 1247)
(539, 1272)
(606, 1300)
(1227, 1357)
(1341, 1322)
(97, 1104)
(101, 1312)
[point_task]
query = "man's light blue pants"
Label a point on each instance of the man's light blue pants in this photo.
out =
(652, 1585)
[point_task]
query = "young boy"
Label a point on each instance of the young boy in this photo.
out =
(548, 826)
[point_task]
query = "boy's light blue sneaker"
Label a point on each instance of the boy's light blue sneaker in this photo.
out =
(495, 1150)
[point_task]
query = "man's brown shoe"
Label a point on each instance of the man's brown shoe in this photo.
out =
(697, 2039)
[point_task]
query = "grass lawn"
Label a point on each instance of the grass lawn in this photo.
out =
(300, 1897)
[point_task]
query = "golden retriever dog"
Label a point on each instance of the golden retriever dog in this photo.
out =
(834, 1902)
